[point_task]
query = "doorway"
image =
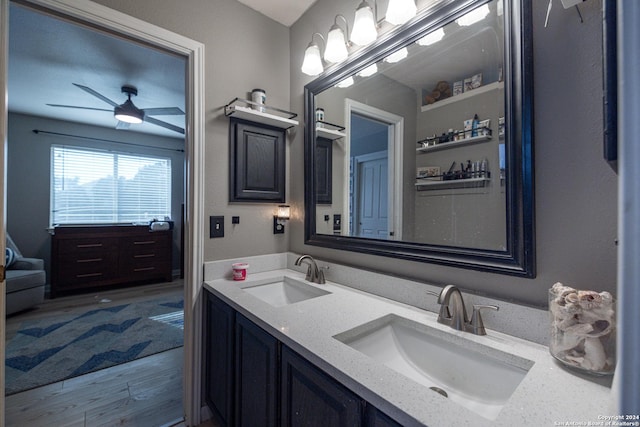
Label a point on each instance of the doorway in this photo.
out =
(132, 29)
(373, 204)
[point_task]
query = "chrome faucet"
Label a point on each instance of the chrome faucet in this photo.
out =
(314, 274)
(454, 314)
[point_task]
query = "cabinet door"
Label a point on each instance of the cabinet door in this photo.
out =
(219, 327)
(256, 376)
(257, 169)
(310, 398)
(324, 167)
(374, 418)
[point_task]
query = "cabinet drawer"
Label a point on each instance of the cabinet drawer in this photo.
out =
(145, 244)
(88, 268)
(89, 247)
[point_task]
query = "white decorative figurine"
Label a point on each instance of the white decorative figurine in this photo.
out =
(582, 328)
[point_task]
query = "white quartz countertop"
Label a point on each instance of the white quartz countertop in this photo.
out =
(548, 395)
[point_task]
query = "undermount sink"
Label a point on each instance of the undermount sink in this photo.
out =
(473, 375)
(284, 291)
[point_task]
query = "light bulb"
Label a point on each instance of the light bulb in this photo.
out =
(432, 37)
(364, 25)
(474, 16)
(400, 11)
(369, 71)
(336, 50)
(397, 56)
(312, 63)
(346, 82)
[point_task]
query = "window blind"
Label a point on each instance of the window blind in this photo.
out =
(105, 187)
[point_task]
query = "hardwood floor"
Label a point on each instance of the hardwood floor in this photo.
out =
(144, 392)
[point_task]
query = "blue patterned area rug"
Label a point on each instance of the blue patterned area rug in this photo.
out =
(53, 349)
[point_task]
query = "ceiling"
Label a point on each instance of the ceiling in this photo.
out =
(47, 55)
(285, 12)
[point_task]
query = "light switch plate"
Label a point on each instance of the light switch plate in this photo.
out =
(216, 226)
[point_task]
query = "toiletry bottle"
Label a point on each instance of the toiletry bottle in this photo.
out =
(474, 126)
(484, 172)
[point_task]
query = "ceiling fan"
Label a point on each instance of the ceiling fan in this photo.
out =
(127, 113)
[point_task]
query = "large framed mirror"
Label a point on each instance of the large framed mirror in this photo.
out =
(430, 138)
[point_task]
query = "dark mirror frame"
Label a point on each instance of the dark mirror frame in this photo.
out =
(519, 257)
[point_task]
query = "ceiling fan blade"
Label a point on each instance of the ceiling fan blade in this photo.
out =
(82, 108)
(167, 111)
(96, 94)
(164, 124)
(122, 125)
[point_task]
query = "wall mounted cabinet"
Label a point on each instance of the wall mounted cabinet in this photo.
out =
(324, 170)
(257, 163)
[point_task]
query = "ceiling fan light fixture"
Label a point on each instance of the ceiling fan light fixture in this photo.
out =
(128, 113)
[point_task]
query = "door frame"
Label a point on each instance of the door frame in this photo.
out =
(394, 150)
(132, 28)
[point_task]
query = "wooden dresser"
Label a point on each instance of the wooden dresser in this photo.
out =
(83, 258)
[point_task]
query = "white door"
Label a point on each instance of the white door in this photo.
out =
(372, 195)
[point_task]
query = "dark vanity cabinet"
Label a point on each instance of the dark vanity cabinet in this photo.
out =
(256, 381)
(252, 379)
(310, 398)
(219, 357)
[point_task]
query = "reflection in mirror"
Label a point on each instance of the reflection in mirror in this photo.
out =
(447, 78)
(426, 135)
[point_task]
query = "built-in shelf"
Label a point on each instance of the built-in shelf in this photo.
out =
(260, 113)
(329, 130)
(465, 95)
(454, 144)
(423, 184)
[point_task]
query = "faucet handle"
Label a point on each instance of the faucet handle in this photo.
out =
(321, 279)
(477, 325)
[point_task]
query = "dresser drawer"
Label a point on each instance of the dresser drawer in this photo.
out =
(71, 249)
(88, 268)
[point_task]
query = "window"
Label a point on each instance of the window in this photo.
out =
(105, 187)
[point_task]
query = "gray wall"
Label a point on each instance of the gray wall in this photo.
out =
(479, 214)
(28, 175)
(243, 50)
(576, 191)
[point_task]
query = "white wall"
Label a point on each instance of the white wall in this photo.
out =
(575, 189)
(243, 50)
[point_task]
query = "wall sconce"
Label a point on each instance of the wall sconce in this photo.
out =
(369, 71)
(474, 16)
(312, 62)
(364, 25)
(400, 11)
(336, 50)
(397, 56)
(432, 37)
(346, 82)
(282, 214)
